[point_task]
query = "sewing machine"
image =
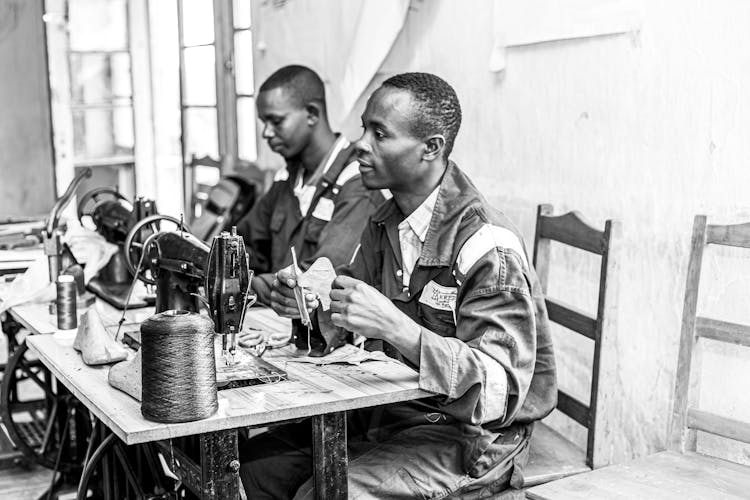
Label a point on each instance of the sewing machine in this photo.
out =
(112, 215)
(60, 258)
(228, 280)
(173, 261)
(179, 264)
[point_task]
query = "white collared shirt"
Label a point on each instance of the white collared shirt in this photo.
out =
(305, 192)
(412, 232)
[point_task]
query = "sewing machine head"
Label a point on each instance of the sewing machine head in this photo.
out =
(228, 280)
(113, 216)
(174, 261)
(178, 264)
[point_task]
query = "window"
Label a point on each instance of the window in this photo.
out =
(92, 71)
(217, 93)
(100, 82)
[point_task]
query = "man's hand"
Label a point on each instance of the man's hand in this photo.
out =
(261, 286)
(282, 295)
(253, 341)
(250, 338)
(360, 308)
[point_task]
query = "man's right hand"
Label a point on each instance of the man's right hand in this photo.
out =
(261, 285)
(282, 295)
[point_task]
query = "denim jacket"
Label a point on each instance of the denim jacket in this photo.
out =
(486, 350)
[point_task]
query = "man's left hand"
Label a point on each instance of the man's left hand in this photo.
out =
(360, 308)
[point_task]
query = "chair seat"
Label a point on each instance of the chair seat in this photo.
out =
(551, 457)
(664, 476)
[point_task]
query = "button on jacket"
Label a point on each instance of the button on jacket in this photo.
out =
(486, 350)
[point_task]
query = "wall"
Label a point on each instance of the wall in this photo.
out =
(26, 166)
(649, 128)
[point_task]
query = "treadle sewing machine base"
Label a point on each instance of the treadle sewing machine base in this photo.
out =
(247, 369)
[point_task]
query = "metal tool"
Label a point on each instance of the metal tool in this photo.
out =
(59, 255)
(299, 294)
(228, 288)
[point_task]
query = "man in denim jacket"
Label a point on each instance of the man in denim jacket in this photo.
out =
(442, 281)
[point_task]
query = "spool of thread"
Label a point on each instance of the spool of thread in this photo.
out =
(67, 317)
(179, 367)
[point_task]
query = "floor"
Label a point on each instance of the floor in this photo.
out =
(18, 483)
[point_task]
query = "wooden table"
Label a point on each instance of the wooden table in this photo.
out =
(17, 261)
(324, 393)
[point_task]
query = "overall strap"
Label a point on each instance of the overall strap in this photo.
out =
(335, 177)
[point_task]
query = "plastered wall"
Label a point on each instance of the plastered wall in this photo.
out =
(649, 128)
(26, 169)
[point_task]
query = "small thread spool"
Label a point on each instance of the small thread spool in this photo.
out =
(65, 303)
(179, 367)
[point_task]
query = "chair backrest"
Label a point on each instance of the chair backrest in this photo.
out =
(220, 201)
(687, 419)
(221, 198)
(200, 175)
(571, 229)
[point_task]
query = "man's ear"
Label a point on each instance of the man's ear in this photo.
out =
(433, 147)
(314, 113)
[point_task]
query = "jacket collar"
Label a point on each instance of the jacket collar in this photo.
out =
(457, 195)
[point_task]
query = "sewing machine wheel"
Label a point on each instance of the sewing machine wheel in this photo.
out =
(91, 200)
(137, 238)
(45, 422)
(114, 470)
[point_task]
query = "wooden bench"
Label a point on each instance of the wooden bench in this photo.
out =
(552, 455)
(680, 473)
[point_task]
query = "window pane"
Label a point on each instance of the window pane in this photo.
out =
(201, 133)
(247, 146)
(99, 78)
(200, 76)
(103, 133)
(197, 22)
(243, 62)
(241, 10)
(98, 24)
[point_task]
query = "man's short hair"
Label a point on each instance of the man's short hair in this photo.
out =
(437, 106)
(302, 83)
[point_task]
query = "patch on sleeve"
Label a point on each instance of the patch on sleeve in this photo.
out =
(324, 209)
(484, 240)
(439, 296)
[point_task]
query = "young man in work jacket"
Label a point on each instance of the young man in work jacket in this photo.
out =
(442, 281)
(317, 204)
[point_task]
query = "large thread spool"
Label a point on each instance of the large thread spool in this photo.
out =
(65, 302)
(179, 368)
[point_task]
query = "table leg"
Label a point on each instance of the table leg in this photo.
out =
(330, 460)
(220, 465)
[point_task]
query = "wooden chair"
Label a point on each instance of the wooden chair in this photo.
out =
(216, 207)
(552, 456)
(680, 473)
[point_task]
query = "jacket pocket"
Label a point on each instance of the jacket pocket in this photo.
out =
(313, 228)
(277, 221)
(439, 321)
